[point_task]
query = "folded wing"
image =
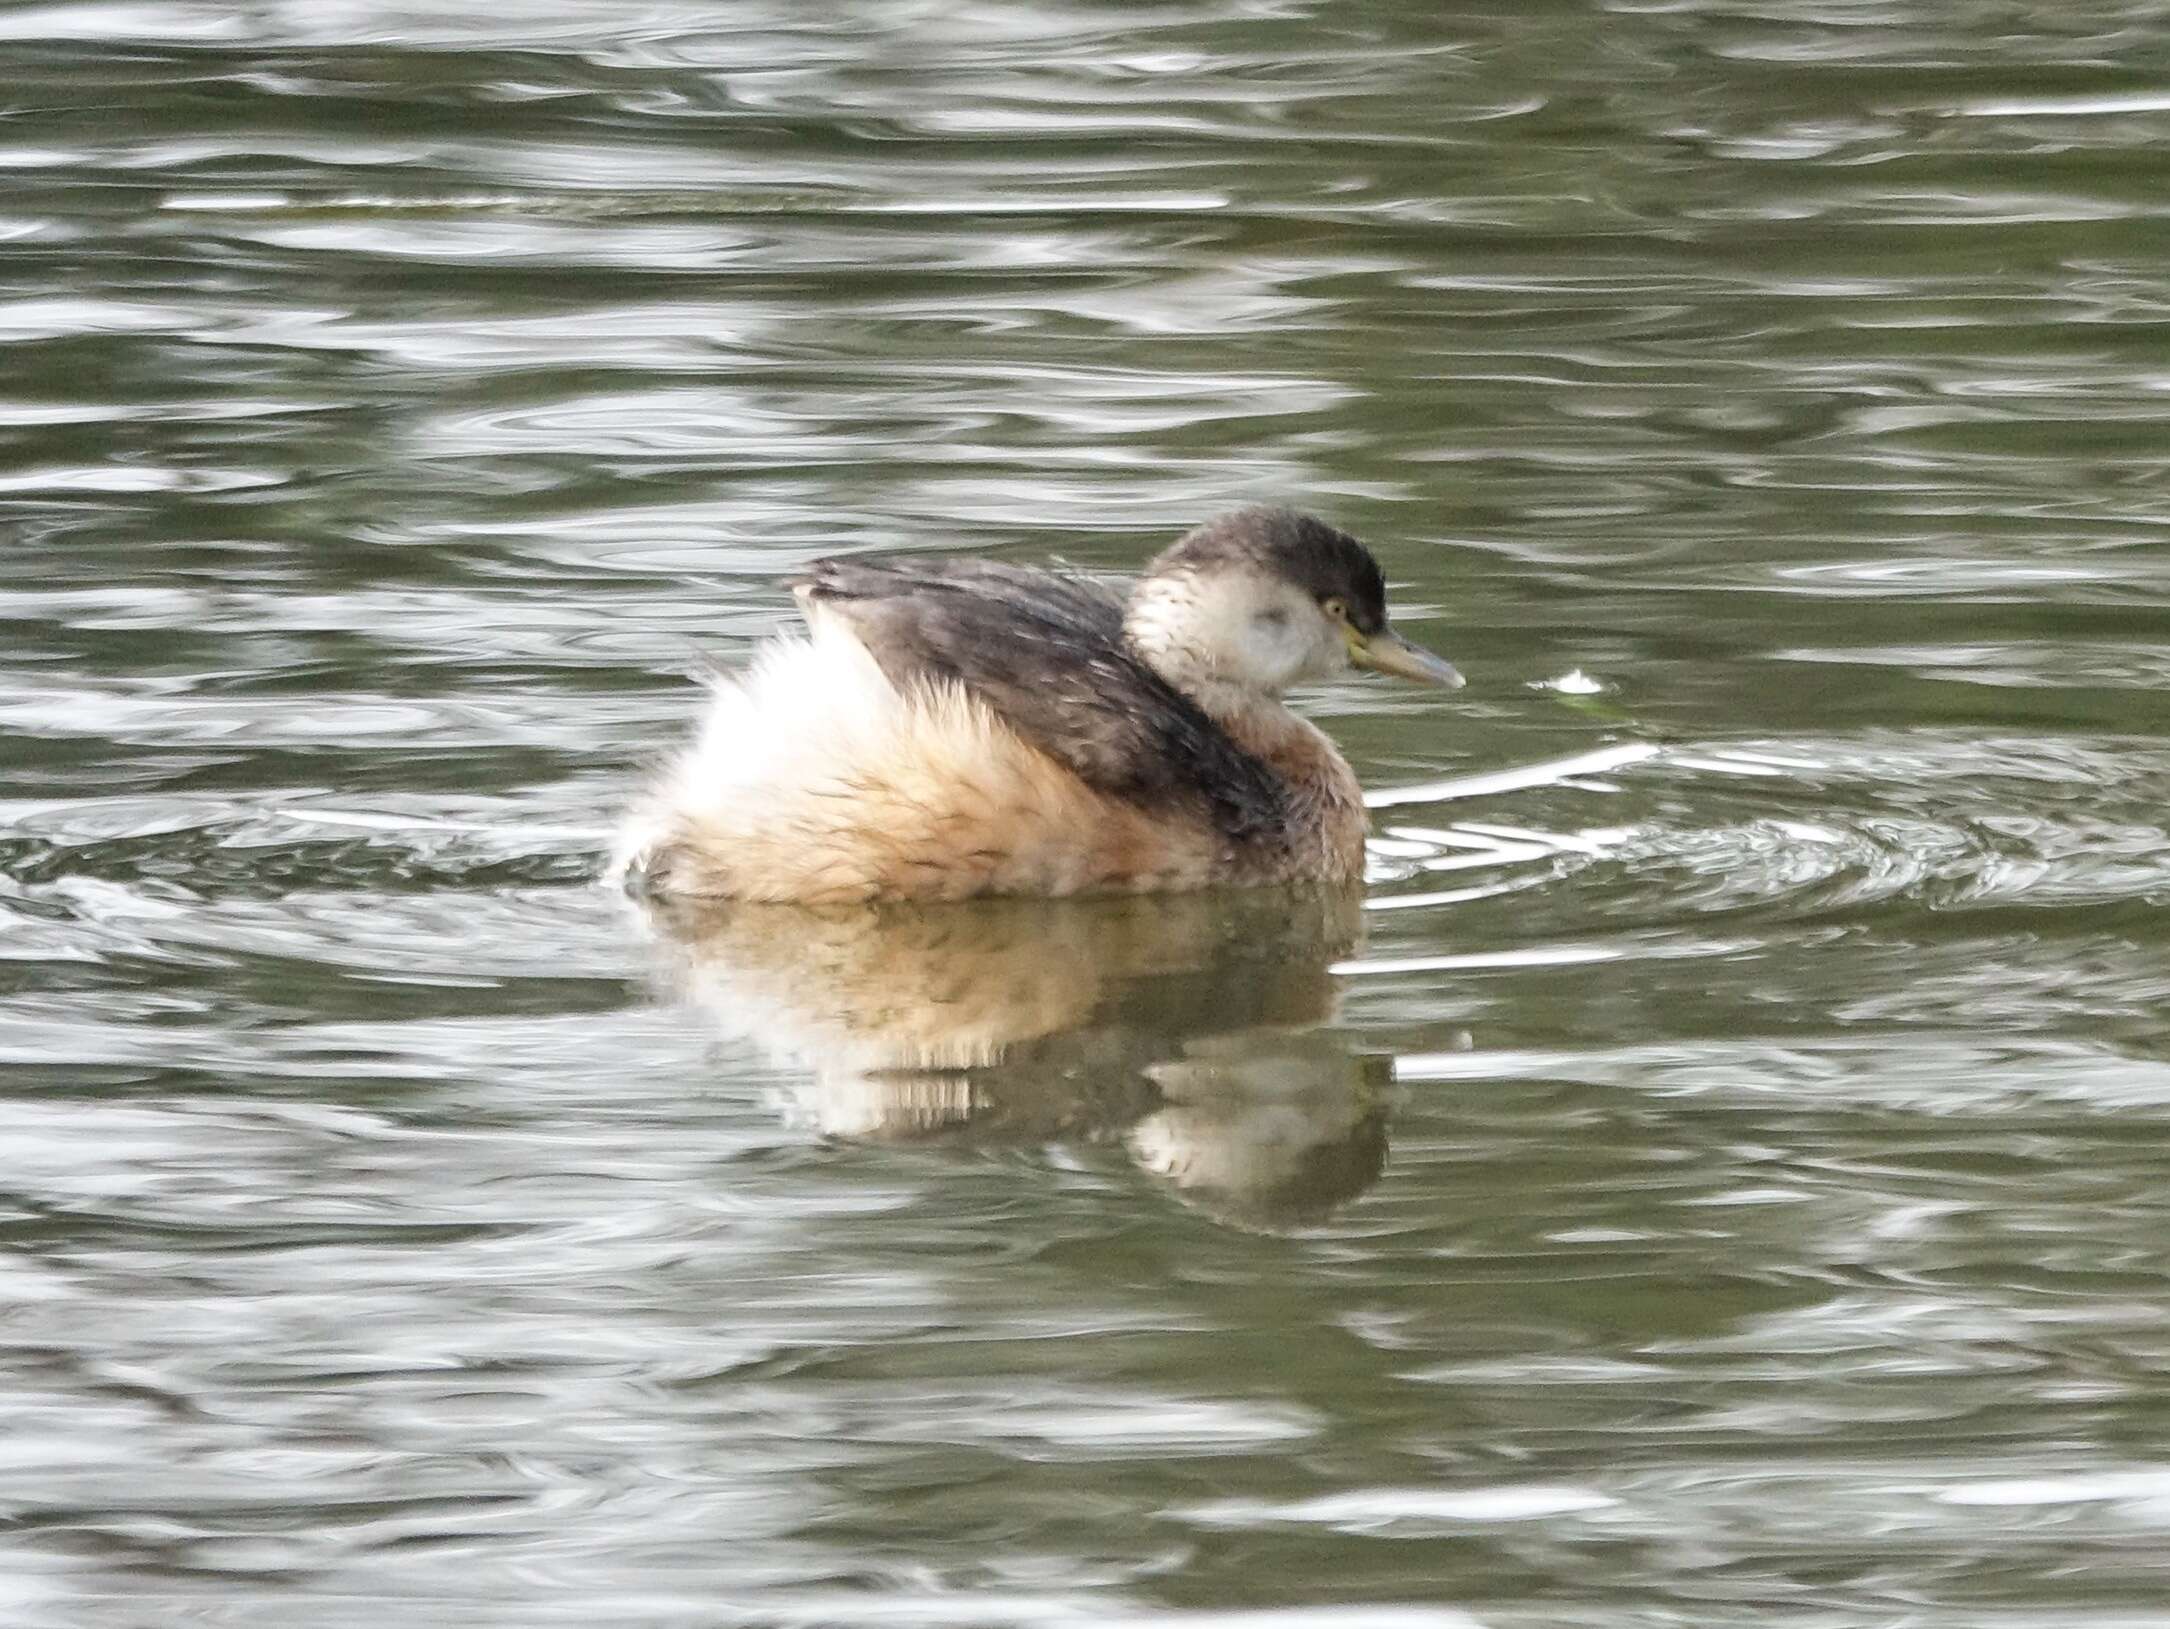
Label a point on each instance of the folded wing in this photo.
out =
(1044, 651)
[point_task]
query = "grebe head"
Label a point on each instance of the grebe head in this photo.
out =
(1261, 599)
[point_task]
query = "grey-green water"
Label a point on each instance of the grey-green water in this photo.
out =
(1719, 1180)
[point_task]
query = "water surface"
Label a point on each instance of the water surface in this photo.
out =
(1716, 1175)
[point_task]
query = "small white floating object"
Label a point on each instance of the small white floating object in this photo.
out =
(1574, 682)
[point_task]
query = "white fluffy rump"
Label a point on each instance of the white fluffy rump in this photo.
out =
(815, 780)
(808, 708)
(794, 730)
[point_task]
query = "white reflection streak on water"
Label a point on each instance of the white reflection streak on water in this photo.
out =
(1514, 780)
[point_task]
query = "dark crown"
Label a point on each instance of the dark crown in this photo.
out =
(1323, 562)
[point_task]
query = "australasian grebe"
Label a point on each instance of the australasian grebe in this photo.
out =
(954, 727)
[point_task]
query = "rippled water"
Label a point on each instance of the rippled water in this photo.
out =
(1716, 1176)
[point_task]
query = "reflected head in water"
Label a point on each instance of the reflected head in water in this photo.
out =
(1185, 1030)
(950, 728)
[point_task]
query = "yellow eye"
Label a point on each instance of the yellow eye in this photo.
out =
(1335, 607)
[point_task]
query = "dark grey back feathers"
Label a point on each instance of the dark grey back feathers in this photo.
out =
(1045, 651)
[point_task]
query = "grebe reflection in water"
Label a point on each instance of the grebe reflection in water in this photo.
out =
(1186, 1030)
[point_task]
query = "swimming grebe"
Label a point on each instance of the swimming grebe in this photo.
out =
(954, 727)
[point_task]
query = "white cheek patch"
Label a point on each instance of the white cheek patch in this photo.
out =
(1248, 632)
(1276, 650)
(1301, 645)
